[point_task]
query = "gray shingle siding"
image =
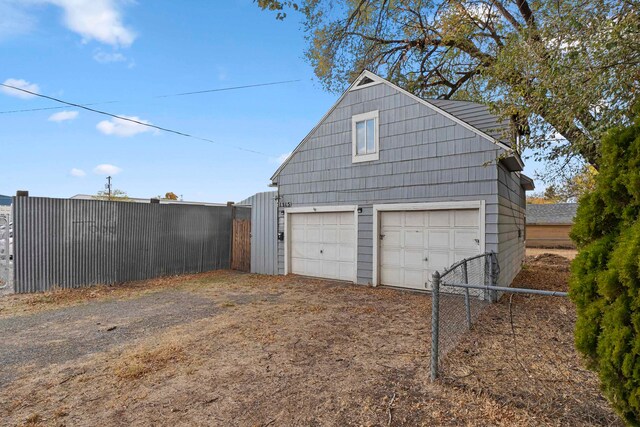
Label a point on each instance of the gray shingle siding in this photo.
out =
(424, 157)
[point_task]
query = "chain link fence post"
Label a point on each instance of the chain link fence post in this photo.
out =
(467, 299)
(435, 324)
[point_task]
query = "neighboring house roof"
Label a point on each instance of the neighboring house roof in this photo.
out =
(141, 200)
(477, 118)
(557, 213)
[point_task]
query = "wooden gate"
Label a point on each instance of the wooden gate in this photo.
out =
(241, 248)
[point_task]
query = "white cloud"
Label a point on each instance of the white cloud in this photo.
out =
(22, 84)
(106, 169)
(105, 58)
(13, 20)
(99, 20)
(63, 116)
(77, 172)
(119, 127)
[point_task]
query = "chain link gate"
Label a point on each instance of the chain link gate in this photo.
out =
(6, 254)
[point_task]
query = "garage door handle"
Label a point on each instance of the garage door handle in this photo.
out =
(426, 259)
(321, 251)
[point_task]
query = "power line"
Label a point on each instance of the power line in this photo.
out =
(131, 120)
(162, 96)
(228, 88)
(54, 108)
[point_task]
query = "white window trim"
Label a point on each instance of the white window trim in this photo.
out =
(310, 209)
(357, 158)
(389, 207)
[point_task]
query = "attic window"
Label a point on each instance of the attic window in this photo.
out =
(364, 137)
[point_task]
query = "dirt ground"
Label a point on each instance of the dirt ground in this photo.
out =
(234, 349)
(566, 253)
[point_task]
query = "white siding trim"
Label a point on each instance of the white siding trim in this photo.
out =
(387, 207)
(318, 209)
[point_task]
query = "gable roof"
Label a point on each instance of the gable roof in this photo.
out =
(557, 213)
(477, 115)
(471, 112)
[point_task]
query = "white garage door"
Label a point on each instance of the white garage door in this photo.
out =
(414, 244)
(323, 245)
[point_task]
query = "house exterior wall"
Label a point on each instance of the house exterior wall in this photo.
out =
(424, 157)
(264, 232)
(549, 236)
(511, 225)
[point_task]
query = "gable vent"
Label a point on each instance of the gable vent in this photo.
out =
(365, 81)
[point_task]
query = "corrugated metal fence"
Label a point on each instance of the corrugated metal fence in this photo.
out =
(72, 243)
(264, 232)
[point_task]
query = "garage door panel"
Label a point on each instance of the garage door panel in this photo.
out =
(414, 219)
(414, 278)
(329, 234)
(439, 219)
(392, 276)
(311, 250)
(392, 218)
(346, 269)
(391, 237)
(414, 258)
(311, 219)
(297, 234)
(391, 257)
(313, 234)
(465, 239)
(466, 218)
(329, 252)
(347, 236)
(440, 260)
(323, 244)
(441, 236)
(347, 219)
(439, 239)
(414, 238)
(346, 253)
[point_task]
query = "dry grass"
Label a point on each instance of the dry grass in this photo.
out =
(291, 351)
(139, 362)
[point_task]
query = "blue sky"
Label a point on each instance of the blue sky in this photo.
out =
(132, 52)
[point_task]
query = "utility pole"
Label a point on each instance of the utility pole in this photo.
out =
(108, 187)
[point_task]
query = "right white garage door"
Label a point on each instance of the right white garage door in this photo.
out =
(414, 244)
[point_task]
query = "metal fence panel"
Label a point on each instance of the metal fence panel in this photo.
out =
(264, 232)
(72, 243)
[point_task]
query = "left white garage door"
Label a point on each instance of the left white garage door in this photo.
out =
(323, 244)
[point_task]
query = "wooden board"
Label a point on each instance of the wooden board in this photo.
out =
(549, 236)
(241, 247)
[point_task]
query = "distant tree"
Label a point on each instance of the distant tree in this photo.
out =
(171, 196)
(116, 195)
(563, 71)
(569, 189)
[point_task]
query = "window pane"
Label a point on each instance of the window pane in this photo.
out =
(371, 132)
(360, 138)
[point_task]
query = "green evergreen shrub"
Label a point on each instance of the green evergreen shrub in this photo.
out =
(605, 276)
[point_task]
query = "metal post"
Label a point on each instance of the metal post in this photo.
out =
(435, 324)
(467, 300)
(493, 294)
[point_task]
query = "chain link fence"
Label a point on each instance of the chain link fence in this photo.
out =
(460, 295)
